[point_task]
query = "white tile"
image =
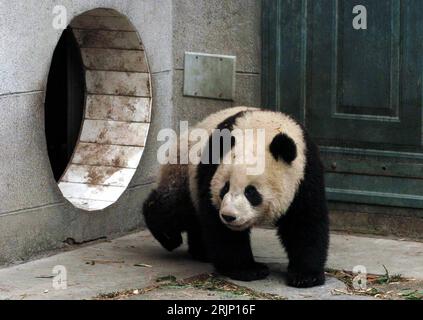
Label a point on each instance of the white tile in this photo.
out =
(114, 59)
(107, 155)
(133, 109)
(90, 192)
(114, 132)
(118, 83)
(107, 39)
(99, 175)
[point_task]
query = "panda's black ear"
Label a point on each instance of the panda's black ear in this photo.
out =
(283, 147)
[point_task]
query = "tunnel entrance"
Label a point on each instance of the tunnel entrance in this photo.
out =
(97, 108)
(64, 103)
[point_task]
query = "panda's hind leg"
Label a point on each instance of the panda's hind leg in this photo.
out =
(162, 219)
(168, 209)
(168, 212)
(167, 218)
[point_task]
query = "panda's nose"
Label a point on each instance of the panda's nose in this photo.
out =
(228, 218)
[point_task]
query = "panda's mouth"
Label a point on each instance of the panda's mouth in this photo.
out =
(234, 213)
(239, 226)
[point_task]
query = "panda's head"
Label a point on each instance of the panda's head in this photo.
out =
(245, 200)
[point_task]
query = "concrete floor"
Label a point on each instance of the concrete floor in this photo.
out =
(136, 261)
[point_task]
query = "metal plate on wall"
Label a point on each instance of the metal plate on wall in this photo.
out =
(209, 76)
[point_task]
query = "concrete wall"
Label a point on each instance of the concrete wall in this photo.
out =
(221, 27)
(34, 216)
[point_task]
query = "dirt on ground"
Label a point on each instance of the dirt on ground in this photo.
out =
(387, 287)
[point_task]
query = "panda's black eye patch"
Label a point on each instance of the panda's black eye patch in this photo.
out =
(253, 196)
(224, 190)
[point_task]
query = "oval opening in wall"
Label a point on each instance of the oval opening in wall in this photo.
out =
(97, 108)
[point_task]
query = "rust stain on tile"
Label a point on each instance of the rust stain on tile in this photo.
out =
(98, 175)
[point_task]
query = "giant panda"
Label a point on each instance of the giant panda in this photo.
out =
(217, 204)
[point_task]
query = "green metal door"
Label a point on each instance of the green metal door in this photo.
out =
(358, 91)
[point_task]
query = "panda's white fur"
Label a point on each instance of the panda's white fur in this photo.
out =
(277, 184)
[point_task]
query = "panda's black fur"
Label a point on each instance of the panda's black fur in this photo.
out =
(168, 211)
(303, 229)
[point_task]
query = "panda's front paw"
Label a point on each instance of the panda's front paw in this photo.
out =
(305, 280)
(254, 271)
(169, 240)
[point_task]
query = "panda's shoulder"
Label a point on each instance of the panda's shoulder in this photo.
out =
(274, 123)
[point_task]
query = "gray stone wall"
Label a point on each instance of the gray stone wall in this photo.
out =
(34, 216)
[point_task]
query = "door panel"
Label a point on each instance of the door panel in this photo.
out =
(359, 92)
(375, 74)
(356, 76)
